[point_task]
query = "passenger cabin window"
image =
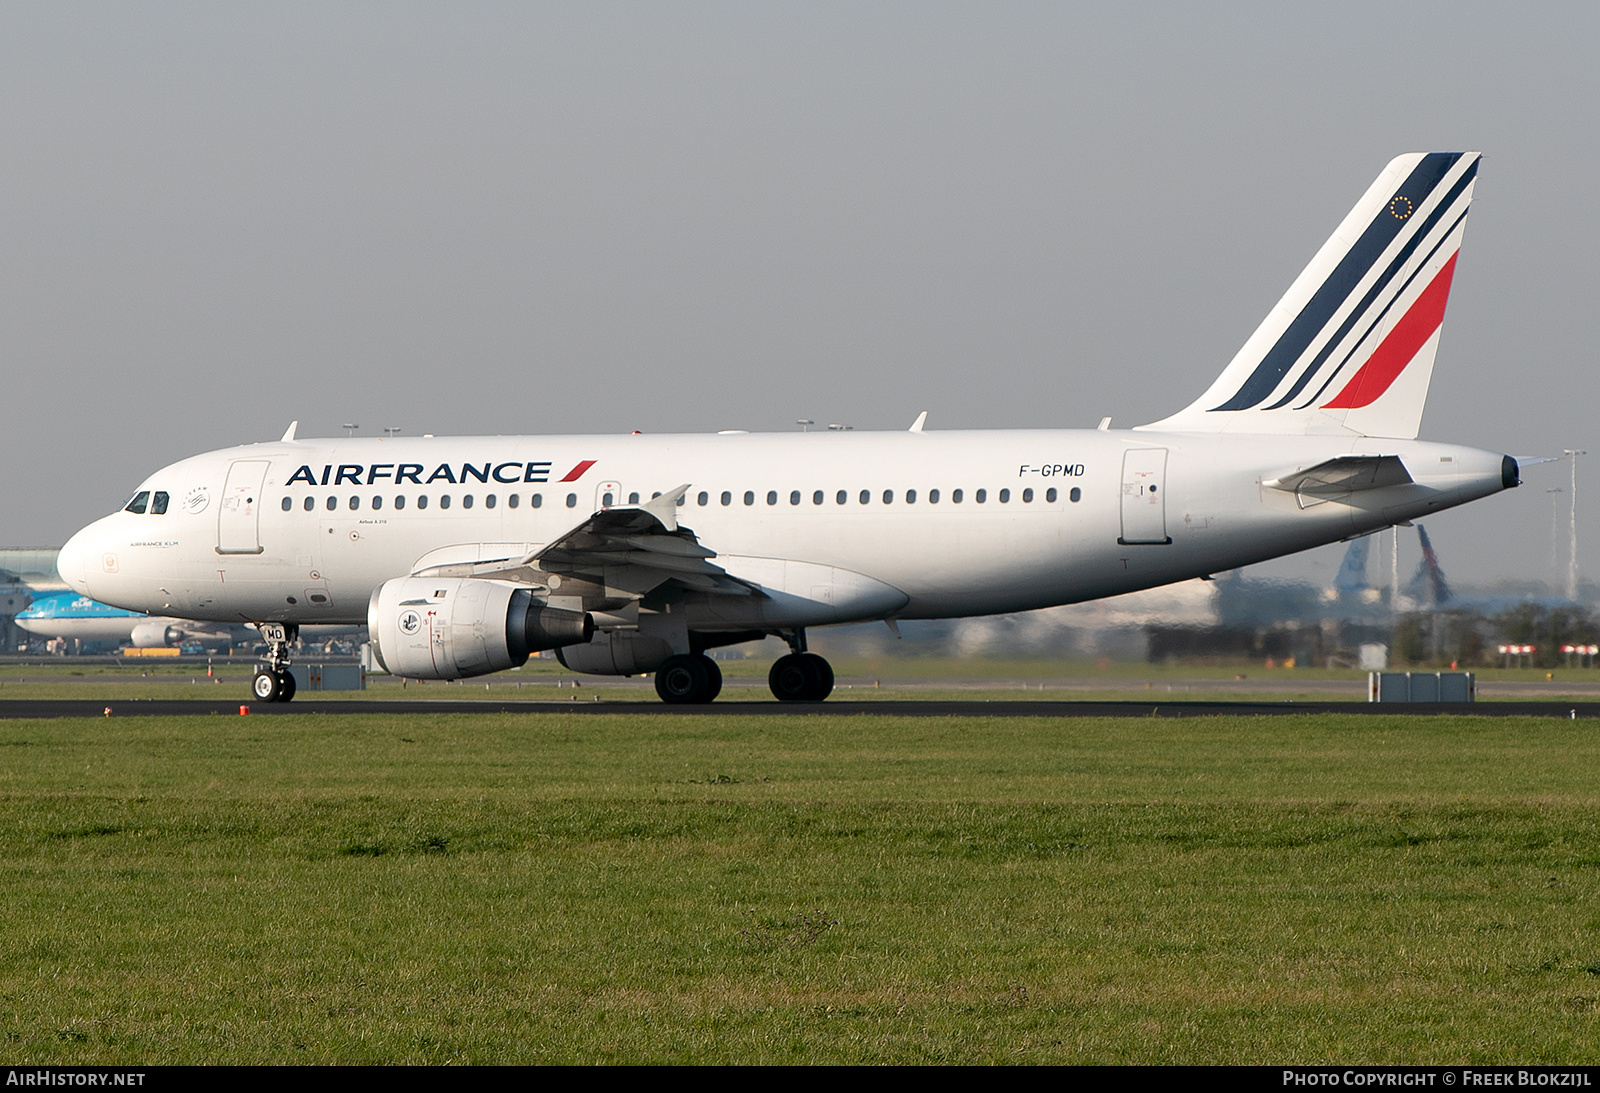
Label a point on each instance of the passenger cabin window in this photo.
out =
(1027, 495)
(1075, 495)
(288, 503)
(633, 498)
(703, 499)
(841, 497)
(333, 503)
(422, 502)
(355, 502)
(888, 497)
(514, 500)
(981, 496)
(911, 497)
(139, 502)
(727, 498)
(955, 497)
(444, 501)
(772, 497)
(1005, 496)
(466, 502)
(1050, 494)
(400, 501)
(816, 498)
(794, 497)
(933, 497)
(572, 500)
(536, 500)
(309, 504)
(158, 504)
(489, 502)
(377, 501)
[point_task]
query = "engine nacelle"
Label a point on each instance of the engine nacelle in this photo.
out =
(452, 627)
(154, 635)
(619, 653)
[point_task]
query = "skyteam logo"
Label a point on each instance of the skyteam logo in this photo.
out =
(364, 474)
(1379, 303)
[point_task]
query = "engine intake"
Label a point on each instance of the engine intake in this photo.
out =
(455, 627)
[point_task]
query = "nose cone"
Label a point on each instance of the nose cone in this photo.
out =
(74, 563)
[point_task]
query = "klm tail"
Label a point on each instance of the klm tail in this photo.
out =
(1349, 349)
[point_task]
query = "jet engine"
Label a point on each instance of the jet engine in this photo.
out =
(452, 627)
(619, 653)
(154, 635)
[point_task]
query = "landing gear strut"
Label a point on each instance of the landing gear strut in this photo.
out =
(274, 683)
(688, 680)
(800, 676)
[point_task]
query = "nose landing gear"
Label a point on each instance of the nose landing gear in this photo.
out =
(274, 683)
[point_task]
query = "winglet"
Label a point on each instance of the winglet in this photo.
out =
(288, 434)
(665, 507)
(922, 419)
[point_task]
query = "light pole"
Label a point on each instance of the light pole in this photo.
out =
(1555, 493)
(1572, 543)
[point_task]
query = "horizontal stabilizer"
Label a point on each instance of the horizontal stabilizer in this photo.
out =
(1345, 474)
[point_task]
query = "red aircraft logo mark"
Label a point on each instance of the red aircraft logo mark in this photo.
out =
(577, 472)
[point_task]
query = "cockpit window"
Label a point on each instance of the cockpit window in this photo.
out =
(158, 504)
(140, 500)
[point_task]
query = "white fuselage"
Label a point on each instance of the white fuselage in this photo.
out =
(303, 531)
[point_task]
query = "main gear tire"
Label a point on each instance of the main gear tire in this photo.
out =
(688, 680)
(801, 677)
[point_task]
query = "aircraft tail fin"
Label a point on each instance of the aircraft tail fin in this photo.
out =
(1349, 349)
(1351, 580)
(1429, 586)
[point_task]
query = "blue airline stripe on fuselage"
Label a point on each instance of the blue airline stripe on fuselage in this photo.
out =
(1340, 283)
(1361, 309)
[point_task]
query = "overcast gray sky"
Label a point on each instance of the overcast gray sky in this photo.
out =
(504, 218)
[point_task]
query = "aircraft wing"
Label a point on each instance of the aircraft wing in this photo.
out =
(630, 549)
(1344, 474)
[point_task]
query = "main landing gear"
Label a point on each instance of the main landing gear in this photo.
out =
(695, 679)
(688, 680)
(273, 682)
(800, 676)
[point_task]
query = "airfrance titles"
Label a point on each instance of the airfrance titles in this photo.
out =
(363, 474)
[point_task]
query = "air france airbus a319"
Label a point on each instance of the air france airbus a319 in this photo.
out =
(636, 554)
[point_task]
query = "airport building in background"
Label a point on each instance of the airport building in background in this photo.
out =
(24, 571)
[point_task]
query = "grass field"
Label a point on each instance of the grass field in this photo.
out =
(540, 888)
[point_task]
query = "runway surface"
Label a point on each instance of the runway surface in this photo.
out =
(74, 707)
